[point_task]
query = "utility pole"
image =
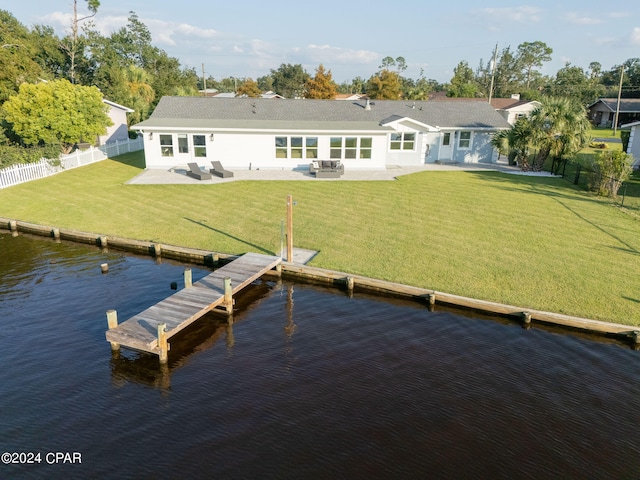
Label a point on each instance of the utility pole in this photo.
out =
(615, 121)
(493, 71)
(204, 82)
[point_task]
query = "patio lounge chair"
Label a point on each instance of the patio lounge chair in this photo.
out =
(219, 170)
(195, 172)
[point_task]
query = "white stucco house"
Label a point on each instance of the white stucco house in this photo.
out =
(252, 133)
(634, 142)
(119, 131)
(513, 109)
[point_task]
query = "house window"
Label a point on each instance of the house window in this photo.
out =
(402, 141)
(281, 147)
(465, 140)
(312, 147)
(166, 145)
(296, 147)
(350, 147)
(199, 146)
(336, 147)
(365, 147)
(183, 143)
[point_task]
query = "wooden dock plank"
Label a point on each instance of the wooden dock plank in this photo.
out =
(186, 306)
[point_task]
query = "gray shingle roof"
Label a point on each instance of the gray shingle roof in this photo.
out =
(627, 105)
(207, 112)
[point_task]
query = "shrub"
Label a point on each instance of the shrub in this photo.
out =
(611, 168)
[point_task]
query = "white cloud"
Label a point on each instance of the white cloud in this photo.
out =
(577, 19)
(329, 55)
(513, 14)
(635, 36)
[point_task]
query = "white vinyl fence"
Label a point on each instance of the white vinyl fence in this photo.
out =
(21, 173)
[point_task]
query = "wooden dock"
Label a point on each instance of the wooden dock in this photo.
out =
(150, 330)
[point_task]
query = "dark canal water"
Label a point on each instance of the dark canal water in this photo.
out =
(307, 383)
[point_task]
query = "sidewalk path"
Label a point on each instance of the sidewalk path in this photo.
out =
(177, 175)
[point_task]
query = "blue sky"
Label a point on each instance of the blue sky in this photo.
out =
(248, 38)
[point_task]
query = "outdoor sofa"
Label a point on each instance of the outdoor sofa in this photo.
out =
(326, 168)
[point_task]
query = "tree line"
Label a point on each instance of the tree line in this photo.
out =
(127, 68)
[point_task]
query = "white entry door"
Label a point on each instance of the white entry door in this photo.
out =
(446, 147)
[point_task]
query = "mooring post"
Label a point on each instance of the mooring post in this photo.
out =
(157, 250)
(55, 233)
(188, 280)
(526, 318)
(228, 295)
(162, 343)
(103, 241)
(112, 322)
(104, 267)
(432, 299)
(350, 283)
(289, 228)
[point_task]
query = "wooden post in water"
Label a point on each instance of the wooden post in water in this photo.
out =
(188, 279)
(228, 295)
(13, 227)
(112, 322)
(432, 299)
(289, 228)
(157, 250)
(162, 343)
(55, 233)
(103, 241)
(350, 283)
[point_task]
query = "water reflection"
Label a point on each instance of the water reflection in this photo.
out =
(208, 331)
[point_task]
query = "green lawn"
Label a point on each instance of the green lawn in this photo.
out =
(529, 241)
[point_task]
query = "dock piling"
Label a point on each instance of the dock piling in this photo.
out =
(228, 295)
(163, 345)
(350, 283)
(188, 278)
(112, 322)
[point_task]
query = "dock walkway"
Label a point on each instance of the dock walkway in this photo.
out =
(149, 330)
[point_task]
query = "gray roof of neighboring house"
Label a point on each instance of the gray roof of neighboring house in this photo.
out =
(257, 113)
(627, 105)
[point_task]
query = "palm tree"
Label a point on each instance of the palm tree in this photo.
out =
(560, 128)
(515, 142)
(557, 127)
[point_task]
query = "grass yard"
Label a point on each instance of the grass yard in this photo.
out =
(534, 242)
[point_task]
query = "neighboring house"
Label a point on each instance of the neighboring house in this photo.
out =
(510, 108)
(244, 133)
(602, 113)
(350, 96)
(119, 131)
(513, 110)
(268, 94)
(634, 142)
